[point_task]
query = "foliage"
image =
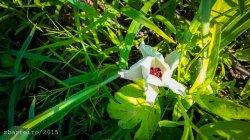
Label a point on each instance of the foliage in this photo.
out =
(59, 63)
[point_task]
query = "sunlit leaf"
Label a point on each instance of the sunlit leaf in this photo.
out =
(210, 63)
(237, 130)
(246, 90)
(167, 123)
(167, 23)
(243, 55)
(133, 110)
(221, 107)
(139, 17)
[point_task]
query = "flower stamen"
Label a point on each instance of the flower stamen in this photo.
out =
(156, 72)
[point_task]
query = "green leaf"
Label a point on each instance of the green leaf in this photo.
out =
(18, 87)
(57, 112)
(206, 6)
(235, 28)
(222, 108)
(241, 4)
(167, 23)
(100, 21)
(233, 23)
(139, 17)
(243, 55)
(133, 110)
(34, 56)
(209, 64)
(131, 33)
(53, 77)
(90, 11)
(237, 130)
(32, 108)
(183, 35)
(187, 102)
(246, 91)
(167, 123)
(22, 134)
(57, 44)
(23, 49)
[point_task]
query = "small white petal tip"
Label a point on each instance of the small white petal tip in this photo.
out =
(121, 73)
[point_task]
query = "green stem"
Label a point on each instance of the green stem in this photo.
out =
(187, 118)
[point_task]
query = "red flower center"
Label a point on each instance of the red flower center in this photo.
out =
(156, 72)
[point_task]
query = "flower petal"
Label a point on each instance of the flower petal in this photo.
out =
(147, 50)
(146, 65)
(173, 60)
(175, 86)
(151, 94)
(151, 79)
(138, 71)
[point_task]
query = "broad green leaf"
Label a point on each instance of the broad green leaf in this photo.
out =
(140, 18)
(221, 107)
(237, 130)
(243, 55)
(133, 110)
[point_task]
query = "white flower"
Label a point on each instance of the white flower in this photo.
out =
(156, 71)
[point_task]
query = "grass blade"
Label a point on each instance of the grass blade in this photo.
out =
(139, 17)
(241, 4)
(57, 112)
(16, 91)
(32, 108)
(56, 44)
(236, 27)
(166, 23)
(34, 56)
(132, 31)
(54, 78)
(23, 49)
